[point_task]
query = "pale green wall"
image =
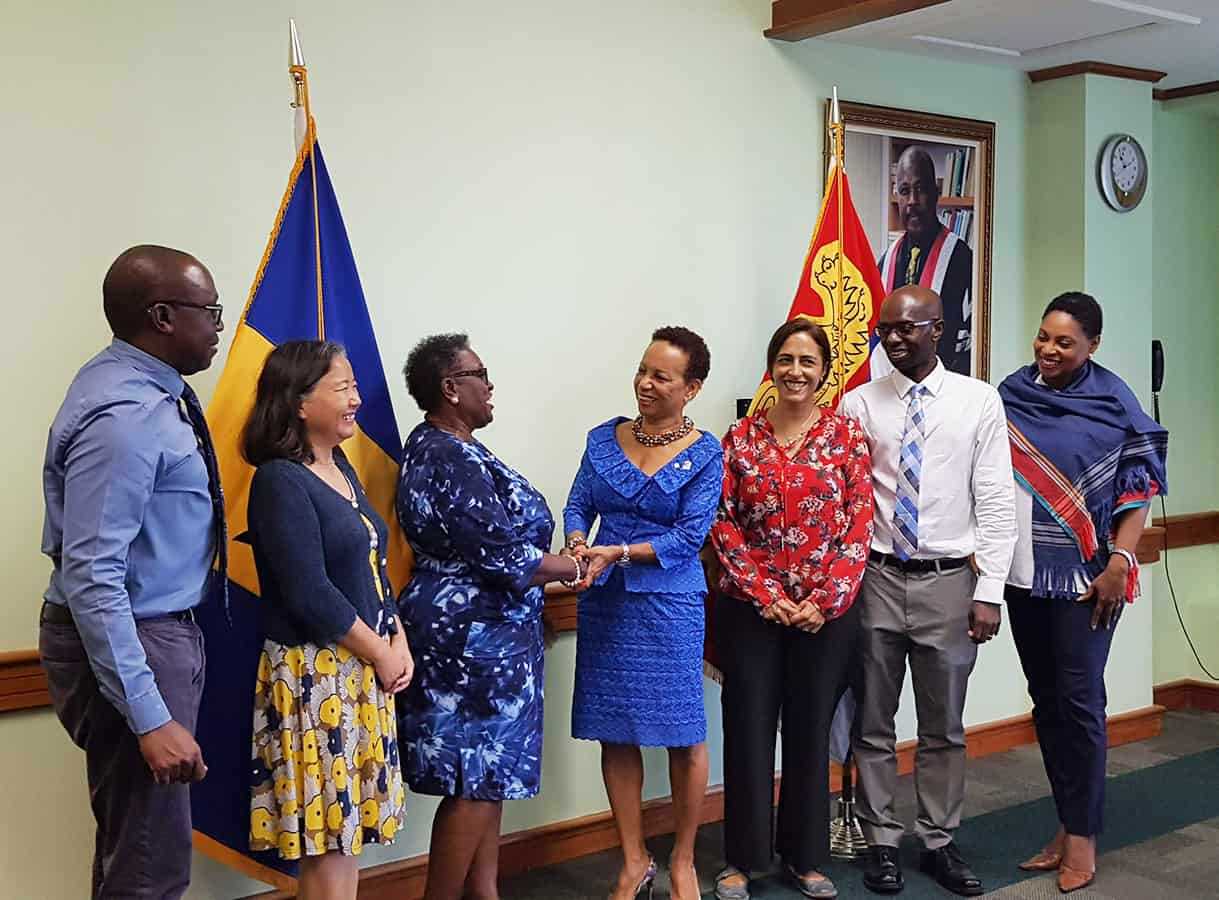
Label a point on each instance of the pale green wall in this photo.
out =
(1185, 269)
(1056, 156)
(558, 176)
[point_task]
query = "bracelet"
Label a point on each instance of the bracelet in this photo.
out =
(574, 542)
(625, 559)
(576, 580)
(1128, 556)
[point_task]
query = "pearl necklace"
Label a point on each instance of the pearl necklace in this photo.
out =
(665, 437)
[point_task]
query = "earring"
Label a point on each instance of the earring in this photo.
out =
(454, 400)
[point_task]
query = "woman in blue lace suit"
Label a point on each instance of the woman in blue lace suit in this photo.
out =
(654, 483)
(470, 725)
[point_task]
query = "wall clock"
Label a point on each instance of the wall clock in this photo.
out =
(1122, 171)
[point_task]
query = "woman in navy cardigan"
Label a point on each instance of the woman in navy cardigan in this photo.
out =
(325, 754)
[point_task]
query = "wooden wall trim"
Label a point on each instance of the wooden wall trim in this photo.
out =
(1093, 67)
(795, 20)
(23, 684)
(562, 841)
(1189, 529)
(1188, 693)
(1188, 90)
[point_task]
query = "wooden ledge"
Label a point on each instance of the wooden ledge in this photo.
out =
(23, 684)
(795, 20)
(1092, 67)
(1188, 90)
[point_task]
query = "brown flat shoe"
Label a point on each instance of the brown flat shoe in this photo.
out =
(1073, 879)
(1045, 861)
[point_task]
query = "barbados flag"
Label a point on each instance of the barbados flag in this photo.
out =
(306, 288)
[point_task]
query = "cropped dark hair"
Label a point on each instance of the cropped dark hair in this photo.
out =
(795, 326)
(1081, 307)
(698, 357)
(426, 364)
(275, 429)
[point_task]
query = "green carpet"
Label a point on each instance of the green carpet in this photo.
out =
(1139, 805)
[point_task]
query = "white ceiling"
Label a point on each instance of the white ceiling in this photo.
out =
(1037, 34)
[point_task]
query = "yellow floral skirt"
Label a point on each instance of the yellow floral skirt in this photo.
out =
(325, 754)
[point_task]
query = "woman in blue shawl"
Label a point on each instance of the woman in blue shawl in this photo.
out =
(1088, 461)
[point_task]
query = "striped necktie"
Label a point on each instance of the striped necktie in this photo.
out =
(909, 470)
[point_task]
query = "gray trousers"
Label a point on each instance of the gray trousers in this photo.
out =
(142, 849)
(923, 618)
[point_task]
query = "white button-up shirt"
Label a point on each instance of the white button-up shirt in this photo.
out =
(966, 490)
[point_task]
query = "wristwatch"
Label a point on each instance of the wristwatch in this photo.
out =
(625, 558)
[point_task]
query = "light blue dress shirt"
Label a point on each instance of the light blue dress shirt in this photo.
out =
(128, 517)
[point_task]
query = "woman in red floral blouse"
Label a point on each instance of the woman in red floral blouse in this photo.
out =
(792, 535)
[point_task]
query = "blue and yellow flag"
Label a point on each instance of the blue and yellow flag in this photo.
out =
(307, 288)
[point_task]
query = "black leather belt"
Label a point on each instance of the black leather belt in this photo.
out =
(918, 566)
(56, 614)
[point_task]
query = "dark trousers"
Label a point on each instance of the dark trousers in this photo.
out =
(143, 843)
(1064, 662)
(772, 670)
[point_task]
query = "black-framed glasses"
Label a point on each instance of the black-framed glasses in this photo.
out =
(216, 309)
(903, 329)
(471, 373)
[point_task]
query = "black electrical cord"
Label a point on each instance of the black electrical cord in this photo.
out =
(1172, 592)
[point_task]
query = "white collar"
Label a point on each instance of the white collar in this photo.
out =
(934, 382)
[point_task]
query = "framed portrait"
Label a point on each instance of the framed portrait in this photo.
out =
(923, 185)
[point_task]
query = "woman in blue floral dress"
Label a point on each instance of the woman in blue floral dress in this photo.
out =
(470, 724)
(654, 483)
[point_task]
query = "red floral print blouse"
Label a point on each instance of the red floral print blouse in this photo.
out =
(800, 526)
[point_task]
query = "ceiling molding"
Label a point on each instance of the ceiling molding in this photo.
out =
(1092, 67)
(1189, 90)
(796, 20)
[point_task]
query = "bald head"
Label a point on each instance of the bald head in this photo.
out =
(141, 276)
(917, 161)
(912, 304)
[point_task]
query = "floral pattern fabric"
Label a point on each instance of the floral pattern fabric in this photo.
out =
(326, 775)
(470, 723)
(798, 526)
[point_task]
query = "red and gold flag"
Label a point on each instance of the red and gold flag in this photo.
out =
(840, 289)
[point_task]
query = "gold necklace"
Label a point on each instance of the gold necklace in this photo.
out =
(801, 431)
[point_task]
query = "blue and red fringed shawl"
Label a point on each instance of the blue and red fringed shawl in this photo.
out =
(1086, 453)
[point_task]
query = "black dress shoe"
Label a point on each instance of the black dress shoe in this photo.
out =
(884, 872)
(948, 867)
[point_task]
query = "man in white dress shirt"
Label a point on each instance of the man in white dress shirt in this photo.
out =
(942, 547)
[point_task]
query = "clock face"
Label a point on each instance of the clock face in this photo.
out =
(1127, 165)
(1123, 172)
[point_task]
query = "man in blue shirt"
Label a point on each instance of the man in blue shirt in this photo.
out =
(133, 513)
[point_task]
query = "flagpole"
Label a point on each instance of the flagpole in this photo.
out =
(300, 103)
(839, 312)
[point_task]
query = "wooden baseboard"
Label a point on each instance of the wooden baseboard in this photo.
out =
(1188, 693)
(573, 838)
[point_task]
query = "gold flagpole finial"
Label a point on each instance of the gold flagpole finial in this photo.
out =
(300, 86)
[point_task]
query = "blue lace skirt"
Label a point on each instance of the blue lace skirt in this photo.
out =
(639, 668)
